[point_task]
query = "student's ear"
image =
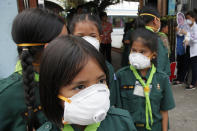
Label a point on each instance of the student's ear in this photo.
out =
(154, 56)
(155, 21)
(100, 37)
(46, 45)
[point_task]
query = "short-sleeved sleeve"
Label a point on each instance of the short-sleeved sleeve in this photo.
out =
(167, 101)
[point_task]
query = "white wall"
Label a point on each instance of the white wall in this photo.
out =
(8, 52)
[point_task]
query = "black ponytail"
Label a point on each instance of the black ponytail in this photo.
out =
(33, 26)
(29, 87)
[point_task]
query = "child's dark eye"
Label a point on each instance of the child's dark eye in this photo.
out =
(80, 87)
(142, 52)
(102, 81)
(133, 50)
(93, 36)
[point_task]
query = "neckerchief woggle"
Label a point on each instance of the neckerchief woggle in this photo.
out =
(146, 93)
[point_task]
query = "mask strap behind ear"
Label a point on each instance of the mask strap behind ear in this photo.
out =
(64, 98)
(151, 55)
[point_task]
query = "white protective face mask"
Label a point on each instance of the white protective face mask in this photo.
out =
(189, 22)
(88, 106)
(139, 61)
(93, 41)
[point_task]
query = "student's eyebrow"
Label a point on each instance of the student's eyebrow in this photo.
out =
(78, 83)
(83, 82)
(101, 76)
(79, 33)
(93, 33)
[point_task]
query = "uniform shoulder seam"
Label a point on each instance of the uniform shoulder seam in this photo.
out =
(8, 82)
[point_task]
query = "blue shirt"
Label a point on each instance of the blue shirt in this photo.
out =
(180, 49)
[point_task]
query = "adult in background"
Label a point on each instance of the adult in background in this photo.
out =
(191, 40)
(105, 46)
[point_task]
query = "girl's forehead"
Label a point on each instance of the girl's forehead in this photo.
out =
(87, 22)
(86, 26)
(139, 41)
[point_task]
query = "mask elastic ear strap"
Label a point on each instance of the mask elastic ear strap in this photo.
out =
(64, 98)
(150, 56)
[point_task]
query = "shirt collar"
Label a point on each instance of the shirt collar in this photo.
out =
(149, 28)
(18, 69)
(91, 127)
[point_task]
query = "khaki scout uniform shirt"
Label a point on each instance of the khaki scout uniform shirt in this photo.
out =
(161, 97)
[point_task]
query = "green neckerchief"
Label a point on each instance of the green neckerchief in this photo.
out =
(18, 69)
(149, 28)
(91, 127)
(162, 34)
(146, 93)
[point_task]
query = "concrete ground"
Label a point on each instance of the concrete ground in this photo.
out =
(184, 116)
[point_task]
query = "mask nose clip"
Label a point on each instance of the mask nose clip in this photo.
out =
(64, 98)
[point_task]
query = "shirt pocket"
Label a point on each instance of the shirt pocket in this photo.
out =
(129, 101)
(155, 99)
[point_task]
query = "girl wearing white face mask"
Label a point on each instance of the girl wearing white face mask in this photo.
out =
(87, 26)
(73, 88)
(145, 91)
(191, 40)
(149, 18)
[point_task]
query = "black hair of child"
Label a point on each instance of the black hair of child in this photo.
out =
(85, 17)
(148, 38)
(164, 23)
(33, 26)
(60, 68)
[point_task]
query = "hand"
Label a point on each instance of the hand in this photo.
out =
(186, 42)
(183, 32)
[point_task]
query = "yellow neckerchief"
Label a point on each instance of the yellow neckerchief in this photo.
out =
(148, 109)
(91, 127)
(162, 34)
(18, 69)
(150, 28)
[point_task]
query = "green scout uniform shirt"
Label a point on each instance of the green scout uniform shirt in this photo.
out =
(12, 103)
(165, 40)
(116, 120)
(161, 97)
(163, 62)
(112, 85)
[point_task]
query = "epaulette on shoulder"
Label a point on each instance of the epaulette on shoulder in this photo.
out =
(7, 82)
(123, 69)
(118, 112)
(161, 73)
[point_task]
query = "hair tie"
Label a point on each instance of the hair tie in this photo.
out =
(30, 44)
(25, 49)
